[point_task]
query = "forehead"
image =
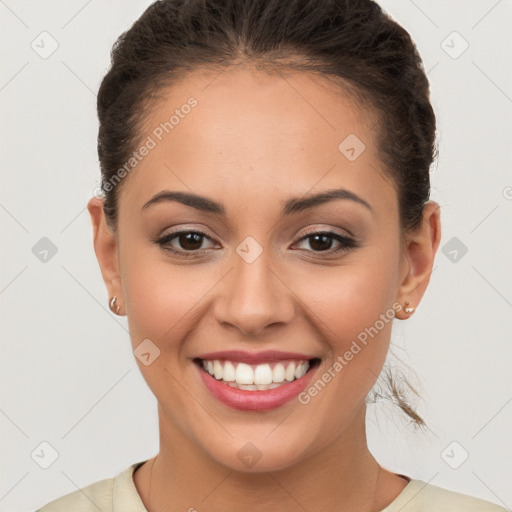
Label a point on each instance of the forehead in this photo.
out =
(250, 130)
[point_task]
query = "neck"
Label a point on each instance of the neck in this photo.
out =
(342, 476)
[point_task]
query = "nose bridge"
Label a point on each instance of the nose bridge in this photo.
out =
(253, 296)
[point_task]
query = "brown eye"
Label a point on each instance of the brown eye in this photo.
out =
(190, 241)
(183, 242)
(322, 241)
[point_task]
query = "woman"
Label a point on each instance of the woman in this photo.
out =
(266, 216)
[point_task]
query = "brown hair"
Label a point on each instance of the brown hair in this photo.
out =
(352, 42)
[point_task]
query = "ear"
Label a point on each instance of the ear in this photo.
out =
(106, 249)
(418, 259)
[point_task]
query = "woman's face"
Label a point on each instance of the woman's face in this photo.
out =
(250, 149)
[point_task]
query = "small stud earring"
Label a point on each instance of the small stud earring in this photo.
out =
(408, 309)
(112, 303)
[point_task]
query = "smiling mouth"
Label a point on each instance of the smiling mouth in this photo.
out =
(256, 377)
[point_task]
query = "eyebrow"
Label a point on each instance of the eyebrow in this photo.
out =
(290, 206)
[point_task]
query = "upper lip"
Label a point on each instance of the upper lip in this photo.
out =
(254, 357)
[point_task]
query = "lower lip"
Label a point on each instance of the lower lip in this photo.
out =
(255, 400)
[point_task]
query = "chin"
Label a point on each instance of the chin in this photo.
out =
(259, 453)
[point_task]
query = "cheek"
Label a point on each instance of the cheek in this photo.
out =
(348, 299)
(163, 304)
(356, 338)
(161, 297)
(352, 307)
(165, 301)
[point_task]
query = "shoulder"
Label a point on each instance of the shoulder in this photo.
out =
(93, 497)
(420, 496)
(102, 495)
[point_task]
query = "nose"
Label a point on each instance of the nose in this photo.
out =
(253, 297)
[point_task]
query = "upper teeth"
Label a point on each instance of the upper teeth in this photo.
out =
(259, 374)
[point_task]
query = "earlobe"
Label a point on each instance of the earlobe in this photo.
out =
(106, 249)
(421, 248)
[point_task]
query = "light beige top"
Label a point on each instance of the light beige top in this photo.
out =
(119, 494)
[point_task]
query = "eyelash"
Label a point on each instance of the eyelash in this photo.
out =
(347, 243)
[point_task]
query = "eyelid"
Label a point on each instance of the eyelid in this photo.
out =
(347, 243)
(315, 230)
(180, 231)
(310, 231)
(183, 228)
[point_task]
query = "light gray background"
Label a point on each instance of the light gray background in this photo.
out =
(69, 377)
